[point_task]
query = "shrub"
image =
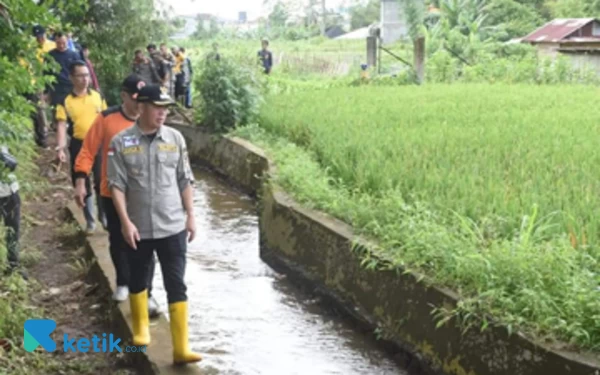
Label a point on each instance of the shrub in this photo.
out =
(230, 94)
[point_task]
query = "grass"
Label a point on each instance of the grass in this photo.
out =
(488, 189)
(313, 59)
(16, 304)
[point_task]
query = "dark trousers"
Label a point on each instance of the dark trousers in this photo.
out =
(74, 148)
(10, 211)
(188, 96)
(180, 88)
(118, 247)
(38, 118)
(171, 255)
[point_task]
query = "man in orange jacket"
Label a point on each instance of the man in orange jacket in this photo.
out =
(109, 123)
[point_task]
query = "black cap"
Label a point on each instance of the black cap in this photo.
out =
(38, 30)
(133, 84)
(155, 94)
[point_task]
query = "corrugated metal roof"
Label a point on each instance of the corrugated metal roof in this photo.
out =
(557, 29)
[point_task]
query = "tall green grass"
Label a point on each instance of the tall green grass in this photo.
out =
(307, 59)
(491, 190)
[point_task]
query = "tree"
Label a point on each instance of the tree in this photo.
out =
(114, 29)
(20, 74)
(20, 70)
(574, 8)
(516, 19)
(206, 28)
(279, 16)
(362, 15)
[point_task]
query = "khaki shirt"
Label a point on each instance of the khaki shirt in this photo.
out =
(152, 174)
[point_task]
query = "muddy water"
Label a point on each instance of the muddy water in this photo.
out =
(247, 319)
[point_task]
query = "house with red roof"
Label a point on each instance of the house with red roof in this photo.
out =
(578, 38)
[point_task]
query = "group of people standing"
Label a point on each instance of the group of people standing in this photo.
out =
(171, 69)
(143, 180)
(62, 48)
(139, 167)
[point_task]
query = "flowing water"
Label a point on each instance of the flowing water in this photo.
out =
(247, 319)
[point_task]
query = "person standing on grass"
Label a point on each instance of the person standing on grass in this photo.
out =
(77, 112)
(44, 45)
(169, 61)
(161, 65)
(64, 57)
(10, 209)
(108, 124)
(215, 52)
(150, 178)
(266, 57)
(182, 75)
(189, 74)
(38, 99)
(145, 68)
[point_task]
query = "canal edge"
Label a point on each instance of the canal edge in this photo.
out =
(158, 359)
(314, 247)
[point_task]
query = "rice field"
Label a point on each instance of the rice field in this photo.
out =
(492, 190)
(316, 58)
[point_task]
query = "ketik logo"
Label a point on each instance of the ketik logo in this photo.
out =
(83, 345)
(37, 332)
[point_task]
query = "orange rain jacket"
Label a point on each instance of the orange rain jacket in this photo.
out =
(108, 124)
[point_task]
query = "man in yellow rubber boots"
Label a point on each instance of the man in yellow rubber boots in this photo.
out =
(150, 178)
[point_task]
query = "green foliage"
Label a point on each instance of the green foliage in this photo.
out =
(362, 15)
(574, 8)
(516, 19)
(477, 192)
(18, 63)
(13, 306)
(230, 93)
(414, 11)
(113, 31)
(206, 31)
(279, 16)
(20, 74)
(16, 134)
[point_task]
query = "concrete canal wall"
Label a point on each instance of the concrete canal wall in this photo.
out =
(321, 252)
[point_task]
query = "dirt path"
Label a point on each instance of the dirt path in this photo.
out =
(54, 245)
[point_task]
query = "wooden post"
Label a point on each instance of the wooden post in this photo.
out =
(372, 51)
(419, 55)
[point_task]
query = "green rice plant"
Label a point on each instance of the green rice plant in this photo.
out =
(488, 189)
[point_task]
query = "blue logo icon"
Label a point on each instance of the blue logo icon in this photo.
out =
(37, 332)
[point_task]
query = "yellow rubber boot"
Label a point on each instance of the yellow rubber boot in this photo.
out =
(139, 317)
(178, 313)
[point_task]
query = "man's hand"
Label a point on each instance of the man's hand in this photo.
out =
(190, 226)
(130, 234)
(61, 156)
(80, 192)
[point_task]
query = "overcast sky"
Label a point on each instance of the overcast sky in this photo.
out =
(224, 8)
